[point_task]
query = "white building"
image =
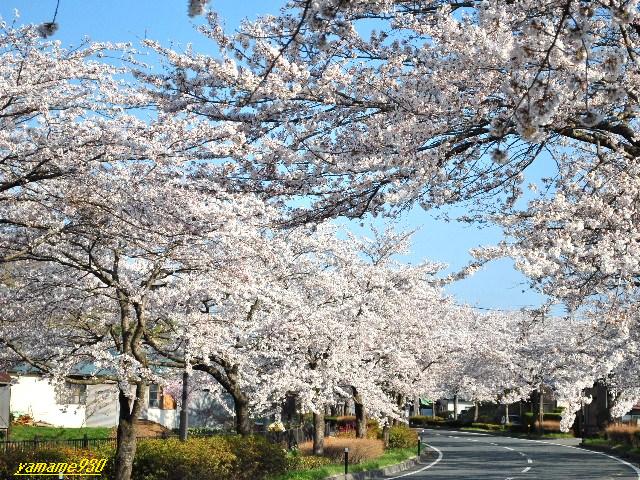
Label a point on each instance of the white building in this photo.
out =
(82, 405)
(5, 392)
(446, 406)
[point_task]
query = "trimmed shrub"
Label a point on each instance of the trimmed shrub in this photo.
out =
(423, 420)
(360, 449)
(214, 458)
(488, 426)
(401, 436)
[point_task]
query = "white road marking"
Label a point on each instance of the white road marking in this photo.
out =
(509, 448)
(632, 467)
(529, 460)
(522, 454)
(526, 470)
(437, 460)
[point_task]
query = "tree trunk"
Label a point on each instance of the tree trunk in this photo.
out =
(361, 417)
(318, 433)
(241, 408)
(540, 410)
(385, 434)
(184, 407)
(476, 412)
(455, 407)
(126, 437)
(506, 414)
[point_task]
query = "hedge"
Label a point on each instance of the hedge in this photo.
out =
(424, 421)
(211, 458)
(401, 436)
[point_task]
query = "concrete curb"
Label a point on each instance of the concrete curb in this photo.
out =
(379, 473)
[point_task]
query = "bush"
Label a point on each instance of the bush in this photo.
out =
(488, 426)
(373, 431)
(620, 433)
(215, 458)
(360, 449)
(302, 462)
(11, 459)
(423, 421)
(401, 436)
(212, 458)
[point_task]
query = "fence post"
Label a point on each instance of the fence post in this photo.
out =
(346, 460)
(419, 444)
(85, 441)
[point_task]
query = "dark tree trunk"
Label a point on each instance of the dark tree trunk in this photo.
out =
(361, 415)
(184, 407)
(506, 414)
(241, 408)
(318, 433)
(126, 436)
(476, 412)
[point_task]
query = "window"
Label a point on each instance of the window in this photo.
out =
(72, 394)
(155, 396)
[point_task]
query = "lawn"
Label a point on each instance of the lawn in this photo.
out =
(390, 457)
(24, 432)
(620, 449)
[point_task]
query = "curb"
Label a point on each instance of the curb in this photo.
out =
(611, 452)
(379, 473)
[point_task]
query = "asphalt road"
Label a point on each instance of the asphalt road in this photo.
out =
(468, 456)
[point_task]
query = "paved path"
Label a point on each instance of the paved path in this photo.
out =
(468, 456)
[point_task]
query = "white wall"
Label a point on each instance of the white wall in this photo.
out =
(4, 406)
(462, 405)
(35, 396)
(168, 418)
(102, 405)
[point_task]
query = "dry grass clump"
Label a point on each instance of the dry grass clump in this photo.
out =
(360, 449)
(549, 425)
(621, 433)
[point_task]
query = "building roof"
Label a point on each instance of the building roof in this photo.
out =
(5, 378)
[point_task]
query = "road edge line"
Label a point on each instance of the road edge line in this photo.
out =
(436, 461)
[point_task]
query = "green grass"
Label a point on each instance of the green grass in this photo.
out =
(615, 448)
(390, 457)
(24, 432)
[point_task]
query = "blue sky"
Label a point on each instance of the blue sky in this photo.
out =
(496, 286)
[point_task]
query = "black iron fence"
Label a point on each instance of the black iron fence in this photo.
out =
(291, 438)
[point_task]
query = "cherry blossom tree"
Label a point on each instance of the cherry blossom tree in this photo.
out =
(365, 105)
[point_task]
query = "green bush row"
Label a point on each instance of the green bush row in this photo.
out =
(424, 421)
(211, 458)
